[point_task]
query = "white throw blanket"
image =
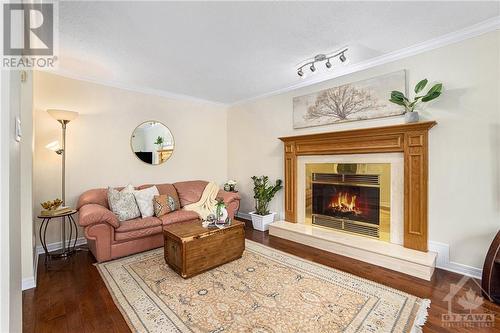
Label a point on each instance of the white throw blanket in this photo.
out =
(206, 205)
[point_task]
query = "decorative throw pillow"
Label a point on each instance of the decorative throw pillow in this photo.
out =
(123, 204)
(128, 189)
(164, 204)
(144, 200)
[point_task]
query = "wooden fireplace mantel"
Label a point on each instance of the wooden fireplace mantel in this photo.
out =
(410, 139)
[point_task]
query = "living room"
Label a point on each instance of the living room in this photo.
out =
(213, 166)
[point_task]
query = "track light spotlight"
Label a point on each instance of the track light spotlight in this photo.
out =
(320, 58)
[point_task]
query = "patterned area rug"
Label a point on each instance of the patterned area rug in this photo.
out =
(264, 291)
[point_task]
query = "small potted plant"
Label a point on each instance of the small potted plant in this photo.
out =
(230, 185)
(263, 194)
(411, 116)
(159, 142)
(220, 210)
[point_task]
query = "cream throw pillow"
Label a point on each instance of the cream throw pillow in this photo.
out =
(144, 200)
(123, 204)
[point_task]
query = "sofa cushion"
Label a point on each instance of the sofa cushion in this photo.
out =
(134, 234)
(190, 191)
(164, 204)
(167, 189)
(97, 196)
(144, 200)
(139, 223)
(123, 203)
(179, 216)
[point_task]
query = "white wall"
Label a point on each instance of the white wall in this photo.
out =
(98, 141)
(10, 211)
(27, 220)
(464, 175)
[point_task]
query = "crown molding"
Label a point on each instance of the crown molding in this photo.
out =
(133, 88)
(475, 30)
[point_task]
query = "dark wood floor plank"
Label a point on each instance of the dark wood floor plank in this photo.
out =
(72, 297)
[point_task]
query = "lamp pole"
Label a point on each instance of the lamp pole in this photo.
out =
(63, 117)
(63, 182)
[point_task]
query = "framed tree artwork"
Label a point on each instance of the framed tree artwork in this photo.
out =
(367, 99)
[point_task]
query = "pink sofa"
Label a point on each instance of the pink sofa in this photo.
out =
(109, 239)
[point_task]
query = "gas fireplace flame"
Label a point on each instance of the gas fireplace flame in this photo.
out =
(345, 202)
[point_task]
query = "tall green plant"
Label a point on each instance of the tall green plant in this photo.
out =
(264, 193)
(397, 97)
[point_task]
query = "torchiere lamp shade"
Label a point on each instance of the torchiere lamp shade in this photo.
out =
(63, 114)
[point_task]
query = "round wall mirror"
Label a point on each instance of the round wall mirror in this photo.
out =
(152, 142)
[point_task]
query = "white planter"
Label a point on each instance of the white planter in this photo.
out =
(262, 222)
(411, 117)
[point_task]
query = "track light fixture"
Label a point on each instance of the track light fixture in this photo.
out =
(320, 58)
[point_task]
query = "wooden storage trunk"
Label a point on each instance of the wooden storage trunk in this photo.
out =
(191, 249)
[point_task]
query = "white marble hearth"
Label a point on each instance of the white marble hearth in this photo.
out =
(389, 255)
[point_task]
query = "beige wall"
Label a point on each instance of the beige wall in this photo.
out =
(98, 141)
(464, 200)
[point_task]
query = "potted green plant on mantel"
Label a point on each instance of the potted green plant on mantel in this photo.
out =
(411, 116)
(263, 194)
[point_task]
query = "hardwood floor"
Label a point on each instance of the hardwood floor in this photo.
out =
(72, 297)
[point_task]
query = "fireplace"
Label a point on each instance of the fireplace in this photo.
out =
(353, 198)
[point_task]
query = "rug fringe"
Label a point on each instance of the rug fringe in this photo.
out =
(421, 316)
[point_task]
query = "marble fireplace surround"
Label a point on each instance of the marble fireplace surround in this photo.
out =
(405, 147)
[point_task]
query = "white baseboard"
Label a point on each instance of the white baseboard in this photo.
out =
(58, 245)
(30, 282)
(443, 261)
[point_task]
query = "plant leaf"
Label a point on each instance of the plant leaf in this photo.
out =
(430, 96)
(397, 94)
(397, 101)
(435, 88)
(420, 86)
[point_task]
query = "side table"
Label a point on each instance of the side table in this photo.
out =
(67, 249)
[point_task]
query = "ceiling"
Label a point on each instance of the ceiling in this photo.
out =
(231, 51)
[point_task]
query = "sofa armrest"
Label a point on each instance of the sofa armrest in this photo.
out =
(228, 197)
(93, 213)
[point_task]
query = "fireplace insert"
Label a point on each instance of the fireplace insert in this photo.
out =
(351, 198)
(351, 202)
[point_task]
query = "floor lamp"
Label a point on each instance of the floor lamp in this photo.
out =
(63, 117)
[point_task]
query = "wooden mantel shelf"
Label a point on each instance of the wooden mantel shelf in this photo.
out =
(424, 125)
(410, 139)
